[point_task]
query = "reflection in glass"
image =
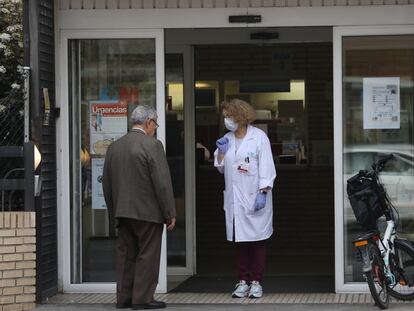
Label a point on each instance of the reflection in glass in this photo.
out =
(108, 78)
(378, 57)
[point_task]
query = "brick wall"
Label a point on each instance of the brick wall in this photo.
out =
(17, 261)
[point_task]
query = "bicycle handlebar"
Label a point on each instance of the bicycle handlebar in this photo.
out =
(379, 165)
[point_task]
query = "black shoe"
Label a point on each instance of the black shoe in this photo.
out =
(152, 305)
(123, 305)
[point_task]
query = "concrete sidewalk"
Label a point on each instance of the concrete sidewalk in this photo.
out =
(221, 301)
(231, 307)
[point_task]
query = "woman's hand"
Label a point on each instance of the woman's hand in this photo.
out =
(222, 145)
(260, 201)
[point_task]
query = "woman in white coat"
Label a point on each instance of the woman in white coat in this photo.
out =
(245, 157)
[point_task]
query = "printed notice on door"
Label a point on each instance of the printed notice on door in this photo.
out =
(381, 103)
(98, 200)
(108, 122)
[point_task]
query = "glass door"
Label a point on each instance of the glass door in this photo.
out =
(373, 117)
(108, 78)
(180, 149)
(378, 109)
(174, 79)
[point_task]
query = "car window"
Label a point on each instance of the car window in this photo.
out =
(359, 160)
(400, 164)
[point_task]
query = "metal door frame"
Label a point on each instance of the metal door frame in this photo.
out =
(63, 145)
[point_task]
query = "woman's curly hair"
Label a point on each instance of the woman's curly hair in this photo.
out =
(239, 110)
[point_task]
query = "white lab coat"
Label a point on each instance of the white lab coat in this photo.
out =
(241, 188)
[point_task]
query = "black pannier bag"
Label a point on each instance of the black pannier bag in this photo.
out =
(366, 200)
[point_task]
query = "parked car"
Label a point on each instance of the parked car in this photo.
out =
(397, 177)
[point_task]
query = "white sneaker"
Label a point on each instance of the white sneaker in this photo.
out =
(256, 290)
(241, 290)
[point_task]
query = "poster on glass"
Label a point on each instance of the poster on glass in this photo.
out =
(381, 103)
(108, 122)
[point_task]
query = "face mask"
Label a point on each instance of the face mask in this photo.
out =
(230, 124)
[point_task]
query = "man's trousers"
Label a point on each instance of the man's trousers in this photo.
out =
(137, 260)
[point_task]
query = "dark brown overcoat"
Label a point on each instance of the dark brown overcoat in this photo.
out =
(136, 179)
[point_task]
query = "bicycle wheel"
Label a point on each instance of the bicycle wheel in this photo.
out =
(402, 265)
(376, 279)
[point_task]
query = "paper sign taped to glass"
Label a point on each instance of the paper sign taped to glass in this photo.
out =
(381, 103)
(98, 200)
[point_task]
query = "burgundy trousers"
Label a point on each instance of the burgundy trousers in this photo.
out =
(137, 260)
(251, 260)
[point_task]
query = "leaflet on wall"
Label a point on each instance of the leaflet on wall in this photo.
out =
(381, 103)
(98, 200)
(108, 122)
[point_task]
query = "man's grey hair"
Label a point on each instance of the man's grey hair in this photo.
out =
(143, 113)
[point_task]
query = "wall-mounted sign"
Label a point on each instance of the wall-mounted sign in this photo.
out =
(381, 103)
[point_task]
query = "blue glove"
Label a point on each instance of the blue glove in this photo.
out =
(222, 145)
(260, 201)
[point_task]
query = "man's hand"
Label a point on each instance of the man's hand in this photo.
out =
(170, 223)
(222, 145)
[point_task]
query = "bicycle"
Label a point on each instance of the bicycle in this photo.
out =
(387, 260)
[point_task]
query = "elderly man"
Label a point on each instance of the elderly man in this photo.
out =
(138, 193)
